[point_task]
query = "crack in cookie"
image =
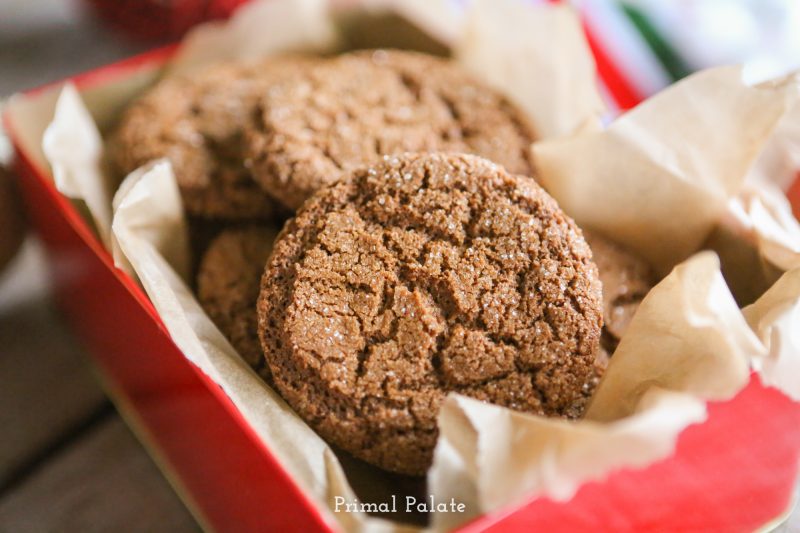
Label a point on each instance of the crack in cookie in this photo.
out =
(197, 121)
(321, 123)
(421, 275)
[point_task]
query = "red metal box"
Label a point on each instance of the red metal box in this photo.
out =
(735, 472)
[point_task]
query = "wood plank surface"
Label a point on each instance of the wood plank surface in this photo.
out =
(67, 462)
(103, 481)
(46, 387)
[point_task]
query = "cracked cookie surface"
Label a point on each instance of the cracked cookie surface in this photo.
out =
(318, 124)
(228, 283)
(197, 122)
(421, 275)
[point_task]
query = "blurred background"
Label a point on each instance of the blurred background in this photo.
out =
(653, 43)
(67, 461)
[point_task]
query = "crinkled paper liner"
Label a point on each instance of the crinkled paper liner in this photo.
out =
(660, 179)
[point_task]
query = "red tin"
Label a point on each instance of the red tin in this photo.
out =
(735, 472)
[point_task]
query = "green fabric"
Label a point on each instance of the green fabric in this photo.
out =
(672, 62)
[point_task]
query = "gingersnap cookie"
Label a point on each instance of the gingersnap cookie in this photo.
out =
(197, 122)
(626, 280)
(228, 283)
(319, 123)
(421, 275)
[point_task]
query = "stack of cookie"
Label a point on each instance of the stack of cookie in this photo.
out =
(421, 259)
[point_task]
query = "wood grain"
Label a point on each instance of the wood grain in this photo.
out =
(104, 481)
(46, 387)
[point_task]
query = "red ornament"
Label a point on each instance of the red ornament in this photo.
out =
(160, 20)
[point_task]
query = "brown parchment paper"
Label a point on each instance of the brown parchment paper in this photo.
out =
(660, 176)
(441, 19)
(757, 235)
(75, 160)
(148, 219)
(522, 50)
(257, 30)
(687, 343)
(775, 317)
(757, 239)
(779, 162)
(488, 456)
(764, 211)
(688, 335)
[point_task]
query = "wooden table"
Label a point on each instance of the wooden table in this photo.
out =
(67, 461)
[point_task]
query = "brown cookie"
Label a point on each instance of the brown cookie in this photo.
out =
(197, 122)
(228, 283)
(626, 280)
(319, 123)
(421, 275)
